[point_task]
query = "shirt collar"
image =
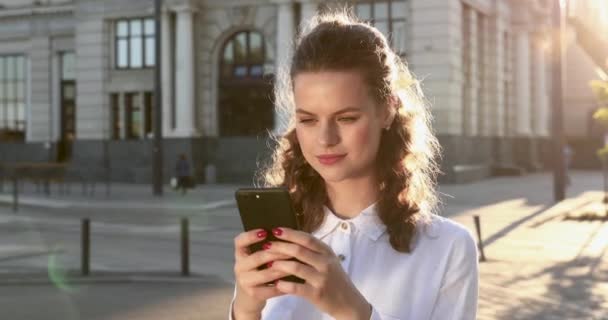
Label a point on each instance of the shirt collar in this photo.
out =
(367, 222)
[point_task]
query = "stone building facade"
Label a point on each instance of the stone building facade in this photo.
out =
(85, 69)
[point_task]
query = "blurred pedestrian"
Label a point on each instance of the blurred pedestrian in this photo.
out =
(182, 172)
(358, 157)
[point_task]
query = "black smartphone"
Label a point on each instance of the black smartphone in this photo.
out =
(266, 208)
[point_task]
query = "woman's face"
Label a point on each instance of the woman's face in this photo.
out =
(336, 116)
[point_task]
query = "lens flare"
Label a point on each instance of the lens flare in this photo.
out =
(57, 274)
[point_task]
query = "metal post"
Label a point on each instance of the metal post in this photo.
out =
(185, 247)
(559, 188)
(479, 240)
(86, 246)
(157, 154)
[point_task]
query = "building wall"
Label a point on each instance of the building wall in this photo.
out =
(216, 23)
(489, 107)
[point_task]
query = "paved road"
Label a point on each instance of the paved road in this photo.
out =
(545, 261)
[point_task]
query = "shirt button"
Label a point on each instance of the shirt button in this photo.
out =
(344, 226)
(341, 257)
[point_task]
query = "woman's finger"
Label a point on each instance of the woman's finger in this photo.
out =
(260, 278)
(313, 258)
(265, 292)
(244, 239)
(258, 259)
(298, 269)
(304, 290)
(302, 238)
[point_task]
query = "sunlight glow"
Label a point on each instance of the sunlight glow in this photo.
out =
(601, 74)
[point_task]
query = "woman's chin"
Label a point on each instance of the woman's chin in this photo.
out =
(333, 176)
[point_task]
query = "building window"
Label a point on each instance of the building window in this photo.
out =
(134, 43)
(245, 108)
(12, 97)
(149, 114)
(388, 16)
(243, 56)
(132, 115)
(116, 118)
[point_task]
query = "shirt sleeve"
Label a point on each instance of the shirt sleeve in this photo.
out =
(457, 299)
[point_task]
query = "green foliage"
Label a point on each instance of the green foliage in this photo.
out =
(600, 90)
(603, 153)
(601, 116)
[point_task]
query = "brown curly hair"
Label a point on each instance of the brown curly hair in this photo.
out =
(405, 163)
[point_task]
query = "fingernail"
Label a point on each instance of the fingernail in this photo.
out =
(262, 234)
(266, 246)
(269, 264)
(277, 231)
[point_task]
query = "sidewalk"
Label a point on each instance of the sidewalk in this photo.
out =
(544, 260)
(121, 196)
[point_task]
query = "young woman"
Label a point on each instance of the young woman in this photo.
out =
(358, 158)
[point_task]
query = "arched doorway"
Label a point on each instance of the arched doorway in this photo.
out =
(245, 105)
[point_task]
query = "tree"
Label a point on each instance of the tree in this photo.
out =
(600, 90)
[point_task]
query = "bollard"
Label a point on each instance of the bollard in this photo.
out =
(479, 241)
(185, 247)
(15, 194)
(86, 246)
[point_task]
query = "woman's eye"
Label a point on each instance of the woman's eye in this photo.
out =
(348, 119)
(306, 120)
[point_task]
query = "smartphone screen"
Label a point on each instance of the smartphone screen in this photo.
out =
(266, 208)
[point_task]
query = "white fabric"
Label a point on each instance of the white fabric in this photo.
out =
(437, 281)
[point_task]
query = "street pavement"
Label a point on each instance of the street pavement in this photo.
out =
(544, 260)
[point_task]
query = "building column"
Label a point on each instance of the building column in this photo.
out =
(522, 83)
(483, 91)
(284, 43)
(167, 72)
(184, 73)
(39, 119)
(309, 9)
(471, 82)
(541, 95)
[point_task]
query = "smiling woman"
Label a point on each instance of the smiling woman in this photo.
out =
(358, 158)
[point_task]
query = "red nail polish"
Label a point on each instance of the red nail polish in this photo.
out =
(266, 246)
(269, 264)
(277, 231)
(262, 234)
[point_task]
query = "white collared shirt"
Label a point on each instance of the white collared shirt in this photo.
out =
(437, 281)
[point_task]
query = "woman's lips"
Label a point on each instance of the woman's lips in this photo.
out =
(327, 160)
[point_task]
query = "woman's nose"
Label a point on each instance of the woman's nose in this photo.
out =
(328, 135)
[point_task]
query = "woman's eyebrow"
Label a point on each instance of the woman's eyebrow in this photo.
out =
(347, 109)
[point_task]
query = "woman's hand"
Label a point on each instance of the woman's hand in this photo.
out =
(327, 286)
(251, 289)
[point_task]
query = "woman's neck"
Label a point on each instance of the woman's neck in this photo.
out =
(348, 198)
